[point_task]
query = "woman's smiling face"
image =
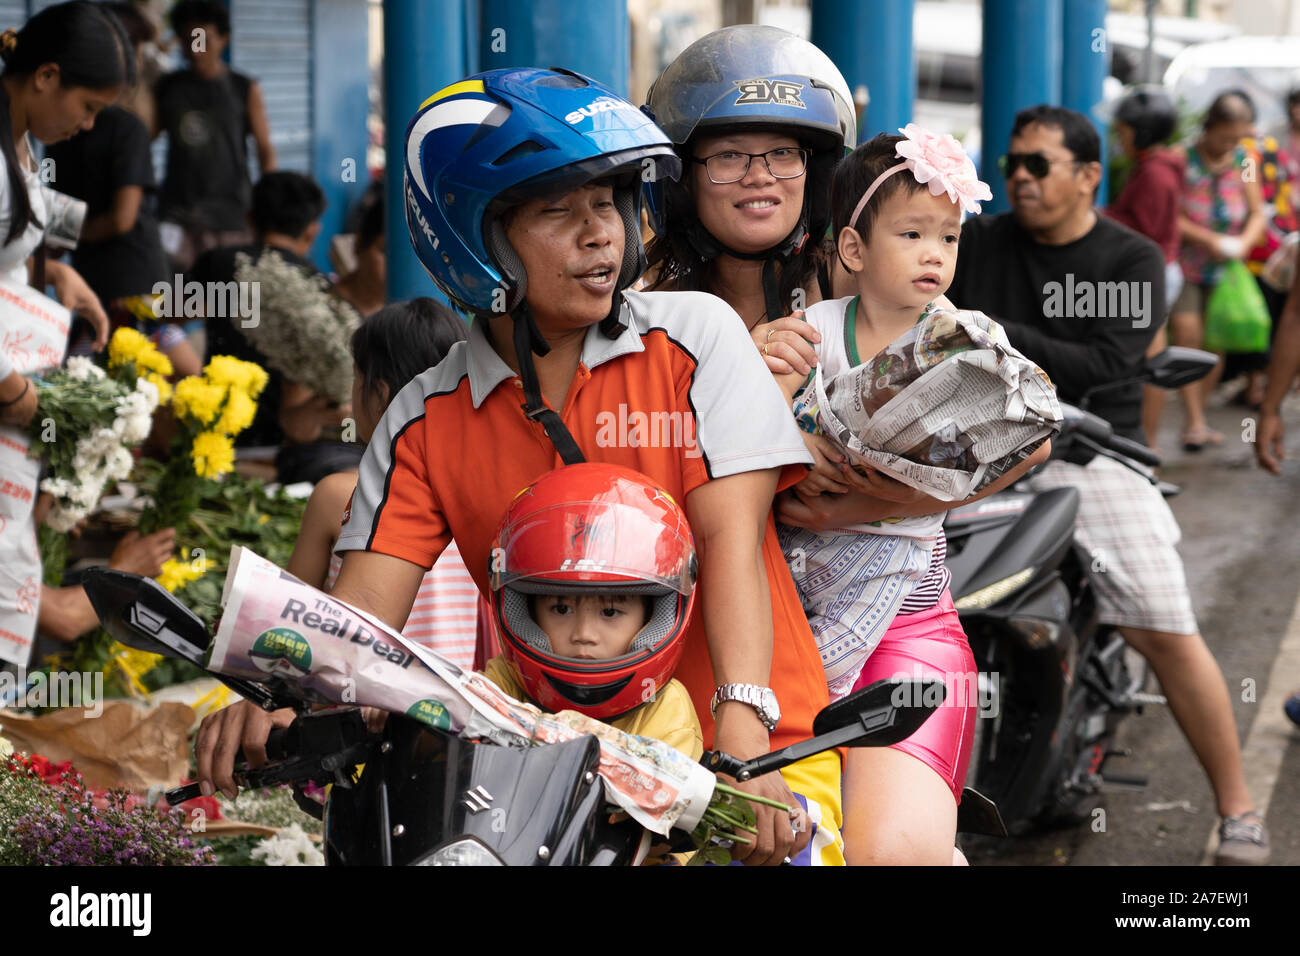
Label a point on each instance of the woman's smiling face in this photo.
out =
(756, 212)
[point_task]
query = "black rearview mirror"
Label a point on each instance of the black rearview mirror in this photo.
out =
(141, 613)
(1177, 366)
(888, 711)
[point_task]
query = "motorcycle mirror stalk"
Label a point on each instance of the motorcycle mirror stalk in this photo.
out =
(879, 715)
(1174, 367)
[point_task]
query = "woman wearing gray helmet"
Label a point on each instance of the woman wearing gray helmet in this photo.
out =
(760, 119)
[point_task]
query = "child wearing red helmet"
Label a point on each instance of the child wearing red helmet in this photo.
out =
(593, 579)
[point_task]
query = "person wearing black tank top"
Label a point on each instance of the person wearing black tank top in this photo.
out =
(208, 112)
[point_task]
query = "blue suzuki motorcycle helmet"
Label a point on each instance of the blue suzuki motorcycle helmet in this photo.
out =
(508, 136)
(752, 78)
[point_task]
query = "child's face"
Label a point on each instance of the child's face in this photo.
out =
(591, 627)
(912, 252)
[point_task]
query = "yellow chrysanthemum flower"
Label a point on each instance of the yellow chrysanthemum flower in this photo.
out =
(151, 360)
(228, 370)
(125, 345)
(133, 664)
(197, 400)
(164, 387)
(213, 454)
(238, 413)
(175, 574)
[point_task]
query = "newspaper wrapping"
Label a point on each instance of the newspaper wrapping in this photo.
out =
(275, 626)
(947, 407)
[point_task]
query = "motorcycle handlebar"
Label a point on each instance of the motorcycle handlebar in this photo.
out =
(279, 746)
(1098, 431)
(1135, 450)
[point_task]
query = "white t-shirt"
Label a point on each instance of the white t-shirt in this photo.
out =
(828, 318)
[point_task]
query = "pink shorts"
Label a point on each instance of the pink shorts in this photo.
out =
(931, 643)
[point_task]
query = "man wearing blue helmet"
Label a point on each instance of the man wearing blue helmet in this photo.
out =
(522, 198)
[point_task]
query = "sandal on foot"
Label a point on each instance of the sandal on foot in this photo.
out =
(1197, 438)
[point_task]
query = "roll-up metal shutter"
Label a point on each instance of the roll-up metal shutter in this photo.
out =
(270, 41)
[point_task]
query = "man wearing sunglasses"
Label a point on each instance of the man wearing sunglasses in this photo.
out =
(1083, 296)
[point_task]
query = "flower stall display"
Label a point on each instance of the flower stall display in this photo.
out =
(48, 817)
(87, 419)
(210, 410)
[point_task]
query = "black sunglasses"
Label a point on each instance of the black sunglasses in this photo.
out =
(1036, 164)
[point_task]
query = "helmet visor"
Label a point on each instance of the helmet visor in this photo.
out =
(585, 544)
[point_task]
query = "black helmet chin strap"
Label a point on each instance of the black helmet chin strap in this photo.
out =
(528, 339)
(709, 247)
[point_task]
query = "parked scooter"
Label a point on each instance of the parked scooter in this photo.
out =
(1054, 683)
(427, 797)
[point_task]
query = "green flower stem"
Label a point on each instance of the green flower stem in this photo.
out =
(752, 798)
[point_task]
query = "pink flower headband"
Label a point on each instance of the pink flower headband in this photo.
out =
(937, 159)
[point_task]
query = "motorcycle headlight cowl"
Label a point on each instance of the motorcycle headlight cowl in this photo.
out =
(463, 852)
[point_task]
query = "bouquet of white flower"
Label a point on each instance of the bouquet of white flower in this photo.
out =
(86, 420)
(303, 330)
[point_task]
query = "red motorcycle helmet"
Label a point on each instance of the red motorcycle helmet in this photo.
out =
(589, 528)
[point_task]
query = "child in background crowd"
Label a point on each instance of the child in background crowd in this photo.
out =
(390, 348)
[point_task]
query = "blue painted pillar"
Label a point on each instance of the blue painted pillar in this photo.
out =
(871, 43)
(587, 36)
(424, 50)
(340, 104)
(1084, 66)
(1021, 67)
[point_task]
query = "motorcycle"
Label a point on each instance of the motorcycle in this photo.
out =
(427, 797)
(1054, 682)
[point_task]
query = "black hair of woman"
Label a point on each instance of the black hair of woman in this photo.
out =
(402, 340)
(70, 36)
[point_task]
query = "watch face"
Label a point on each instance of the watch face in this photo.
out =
(770, 706)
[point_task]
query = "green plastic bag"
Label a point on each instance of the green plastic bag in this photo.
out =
(1236, 316)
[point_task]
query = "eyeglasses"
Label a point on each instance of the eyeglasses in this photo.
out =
(1036, 164)
(786, 162)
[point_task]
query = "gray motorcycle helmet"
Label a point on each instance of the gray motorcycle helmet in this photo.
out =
(753, 77)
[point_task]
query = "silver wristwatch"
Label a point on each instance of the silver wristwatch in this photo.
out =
(762, 699)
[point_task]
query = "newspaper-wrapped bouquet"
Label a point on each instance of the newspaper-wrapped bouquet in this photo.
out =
(947, 408)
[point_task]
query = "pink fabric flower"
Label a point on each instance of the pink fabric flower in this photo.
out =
(938, 160)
